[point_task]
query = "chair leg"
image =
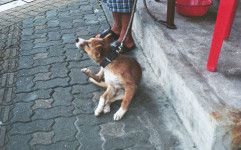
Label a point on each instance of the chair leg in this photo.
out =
(235, 6)
(222, 24)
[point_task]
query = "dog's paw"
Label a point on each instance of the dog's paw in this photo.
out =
(106, 108)
(86, 71)
(119, 114)
(97, 112)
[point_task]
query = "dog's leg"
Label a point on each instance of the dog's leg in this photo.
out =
(107, 95)
(100, 84)
(119, 96)
(129, 93)
(97, 77)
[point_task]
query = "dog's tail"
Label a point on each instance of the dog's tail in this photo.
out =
(100, 84)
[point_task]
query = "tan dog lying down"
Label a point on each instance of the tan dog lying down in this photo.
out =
(120, 77)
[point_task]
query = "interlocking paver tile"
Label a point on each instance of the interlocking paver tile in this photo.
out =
(31, 127)
(64, 129)
(62, 97)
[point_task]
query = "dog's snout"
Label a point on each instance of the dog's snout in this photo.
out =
(77, 40)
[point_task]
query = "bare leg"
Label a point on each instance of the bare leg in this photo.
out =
(117, 23)
(125, 18)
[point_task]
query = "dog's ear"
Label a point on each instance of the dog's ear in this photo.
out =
(108, 38)
(98, 52)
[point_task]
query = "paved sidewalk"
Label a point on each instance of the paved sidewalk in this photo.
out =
(47, 103)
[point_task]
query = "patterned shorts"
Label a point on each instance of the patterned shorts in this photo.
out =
(122, 6)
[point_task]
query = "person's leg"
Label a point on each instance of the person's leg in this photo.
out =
(116, 28)
(117, 23)
(125, 18)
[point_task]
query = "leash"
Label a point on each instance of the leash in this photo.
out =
(128, 28)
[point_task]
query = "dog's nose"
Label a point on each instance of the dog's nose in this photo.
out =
(77, 40)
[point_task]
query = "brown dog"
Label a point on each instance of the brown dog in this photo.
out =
(121, 76)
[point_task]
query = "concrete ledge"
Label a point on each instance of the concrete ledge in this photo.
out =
(208, 103)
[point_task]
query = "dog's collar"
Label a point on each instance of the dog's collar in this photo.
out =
(109, 59)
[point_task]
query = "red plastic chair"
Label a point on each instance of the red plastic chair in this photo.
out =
(226, 14)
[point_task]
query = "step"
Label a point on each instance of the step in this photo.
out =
(208, 103)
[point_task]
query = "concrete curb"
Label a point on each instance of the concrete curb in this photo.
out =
(211, 125)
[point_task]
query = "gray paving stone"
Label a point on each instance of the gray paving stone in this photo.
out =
(83, 105)
(57, 50)
(25, 62)
(27, 31)
(43, 103)
(84, 137)
(66, 25)
(22, 112)
(77, 77)
(42, 138)
(1, 95)
(64, 129)
(54, 36)
(63, 14)
(3, 131)
(38, 94)
(59, 70)
(82, 89)
(4, 79)
(28, 21)
(22, 86)
(48, 44)
(19, 142)
(62, 9)
(40, 40)
(68, 38)
(33, 51)
(9, 95)
(112, 129)
(42, 76)
(32, 71)
(10, 78)
(49, 60)
(82, 64)
(127, 140)
(52, 23)
(51, 13)
(92, 120)
(60, 111)
(142, 147)
(62, 97)
(40, 21)
(27, 45)
(31, 127)
(41, 31)
(37, 34)
(68, 46)
(41, 56)
(6, 111)
(63, 145)
(57, 82)
(40, 27)
(73, 54)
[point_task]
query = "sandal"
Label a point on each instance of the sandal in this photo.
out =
(115, 46)
(109, 31)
